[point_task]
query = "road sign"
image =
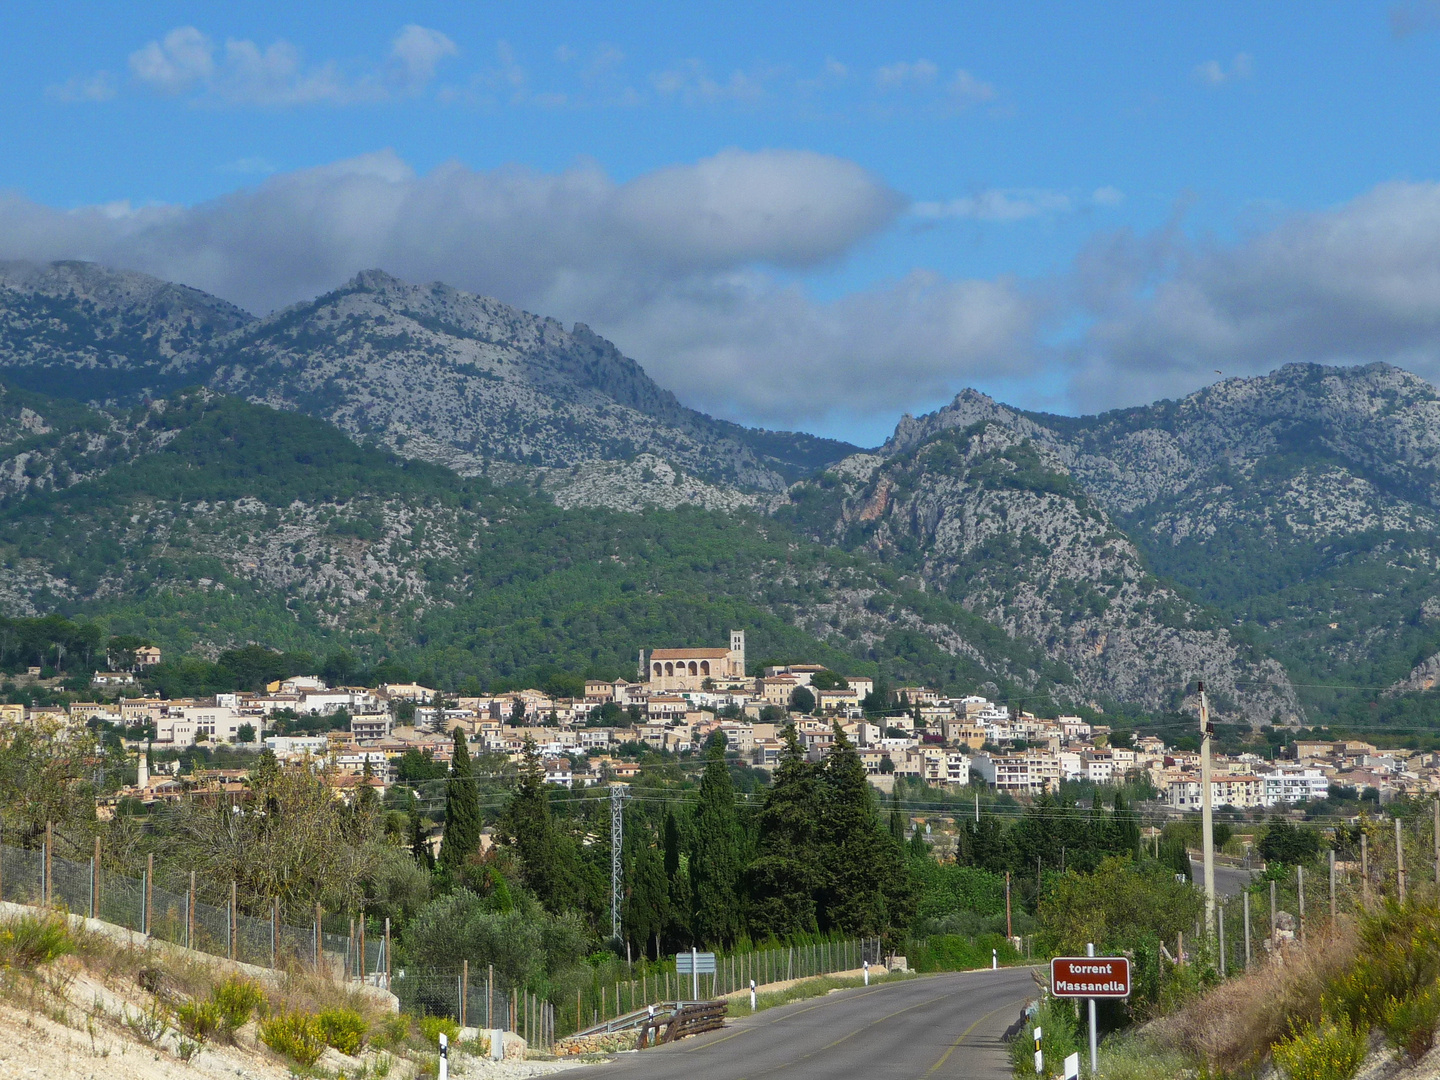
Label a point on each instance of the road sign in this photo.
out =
(695, 963)
(1090, 977)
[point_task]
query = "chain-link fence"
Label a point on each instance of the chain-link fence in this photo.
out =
(42, 878)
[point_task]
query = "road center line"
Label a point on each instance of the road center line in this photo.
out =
(946, 1056)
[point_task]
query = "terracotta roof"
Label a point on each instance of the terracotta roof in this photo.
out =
(689, 654)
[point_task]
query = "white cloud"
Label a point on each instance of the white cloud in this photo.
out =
(1014, 204)
(182, 59)
(906, 74)
(1354, 284)
(1214, 73)
(678, 265)
(83, 88)
(964, 89)
(692, 83)
(418, 51)
(186, 61)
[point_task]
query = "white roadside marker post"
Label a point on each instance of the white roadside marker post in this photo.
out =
(1039, 1058)
(752, 995)
(444, 1057)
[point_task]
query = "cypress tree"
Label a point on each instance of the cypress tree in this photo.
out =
(647, 900)
(868, 889)
(678, 887)
(897, 823)
(462, 810)
(544, 856)
(419, 849)
(715, 857)
(783, 879)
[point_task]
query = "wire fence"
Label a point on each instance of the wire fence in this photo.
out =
(43, 879)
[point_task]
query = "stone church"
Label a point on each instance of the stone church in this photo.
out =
(687, 669)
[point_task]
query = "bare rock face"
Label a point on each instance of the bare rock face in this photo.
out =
(988, 517)
(431, 372)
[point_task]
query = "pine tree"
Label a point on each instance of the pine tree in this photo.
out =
(784, 876)
(546, 860)
(715, 857)
(462, 810)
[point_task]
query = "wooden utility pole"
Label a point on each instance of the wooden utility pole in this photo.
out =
(1332, 885)
(1399, 861)
(1207, 818)
(1365, 869)
(1009, 933)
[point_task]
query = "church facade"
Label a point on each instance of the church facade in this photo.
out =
(689, 669)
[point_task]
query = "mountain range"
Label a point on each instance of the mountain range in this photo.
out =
(1273, 536)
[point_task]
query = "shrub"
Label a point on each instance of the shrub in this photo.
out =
(1410, 1023)
(344, 1029)
(1329, 1051)
(431, 1028)
(200, 1018)
(294, 1035)
(1061, 1037)
(394, 1030)
(32, 940)
(237, 999)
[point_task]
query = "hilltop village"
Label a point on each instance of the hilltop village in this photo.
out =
(679, 698)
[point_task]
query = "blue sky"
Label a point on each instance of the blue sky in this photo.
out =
(804, 215)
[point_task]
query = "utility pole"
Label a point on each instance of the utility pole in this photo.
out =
(1207, 821)
(617, 837)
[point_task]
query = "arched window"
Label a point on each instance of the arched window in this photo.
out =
(658, 671)
(693, 669)
(704, 667)
(669, 668)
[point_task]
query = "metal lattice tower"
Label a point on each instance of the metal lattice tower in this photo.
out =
(617, 838)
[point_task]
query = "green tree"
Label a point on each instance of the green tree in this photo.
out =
(1287, 843)
(646, 906)
(462, 809)
(867, 888)
(783, 878)
(715, 857)
(802, 700)
(420, 848)
(546, 860)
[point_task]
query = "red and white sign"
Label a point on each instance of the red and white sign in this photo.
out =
(1090, 976)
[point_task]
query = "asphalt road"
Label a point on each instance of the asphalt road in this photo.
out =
(939, 1027)
(1229, 880)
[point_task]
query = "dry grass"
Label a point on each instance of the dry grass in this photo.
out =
(1234, 1025)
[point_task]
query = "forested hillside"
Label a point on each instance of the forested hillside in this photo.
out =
(206, 522)
(1300, 508)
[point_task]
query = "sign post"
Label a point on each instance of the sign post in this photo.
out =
(695, 964)
(1091, 977)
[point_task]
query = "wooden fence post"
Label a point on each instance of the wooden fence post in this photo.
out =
(95, 883)
(319, 943)
(464, 989)
(234, 922)
(47, 882)
(387, 952)
(274, 931)
(190, 915)
(150, 893)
